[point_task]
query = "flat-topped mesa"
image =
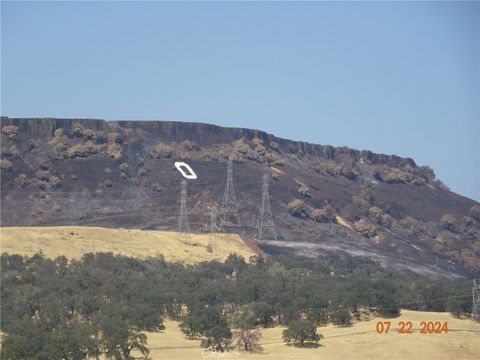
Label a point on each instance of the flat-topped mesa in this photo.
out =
(201, 133)
(90, 172)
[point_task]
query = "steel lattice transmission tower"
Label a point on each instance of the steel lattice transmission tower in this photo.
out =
(183, 227)
(229, 210)
(265, 217)
(476, 300)
(212, 239)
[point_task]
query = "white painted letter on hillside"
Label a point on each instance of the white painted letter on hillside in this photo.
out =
(180, 167)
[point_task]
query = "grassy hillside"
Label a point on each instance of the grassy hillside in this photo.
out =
(360, 341)
(74, 241)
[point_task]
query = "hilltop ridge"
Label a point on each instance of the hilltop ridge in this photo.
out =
(324, 199)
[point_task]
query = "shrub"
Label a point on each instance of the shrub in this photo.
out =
(467, 221)
(10, 131)
(323, 215)
(300, 332)
(123, 167)
(449, 222)
(476, 247)
(375, 212)
(182, 155)
(257, 141)
(426, 173)
(82, 150)
(5, 165)
(12, 151)
(236, 158)
(42, 175)
(386, 221)
(43, 164)
(56, 207)
(114, 151)
(59, 142)
(161, 151)
(99, 137)
(330, 167)
(88, 134)
(47, 181)
(440, 185)
(418, 180)
(114, 138)
(380, 217)
(21, 180)
(54, 181)
(348, 172)
(259, 147)
(360, 203)
(108, 183)
(304, 190)
(190, 145)
(475, 212)
(242, 148)
(319, 215)
(78, 130)
(273, 158)
(365, 228)
(298, 208)
(396, 175)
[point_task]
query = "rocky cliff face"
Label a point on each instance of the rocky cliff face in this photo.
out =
(324, 199)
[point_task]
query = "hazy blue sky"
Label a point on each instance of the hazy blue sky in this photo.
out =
(398, 78)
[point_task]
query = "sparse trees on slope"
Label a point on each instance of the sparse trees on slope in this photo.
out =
(300, 332)
(247, 339)
(246, 336)
(191, 326)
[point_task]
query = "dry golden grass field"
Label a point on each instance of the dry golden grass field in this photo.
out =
(74, 241)
(361, 341)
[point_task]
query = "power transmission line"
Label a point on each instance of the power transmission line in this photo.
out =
(212, 240)
(265, 217)
(476, 300)
(183, 227)
(229, 209)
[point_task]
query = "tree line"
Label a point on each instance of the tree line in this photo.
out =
(102, 304)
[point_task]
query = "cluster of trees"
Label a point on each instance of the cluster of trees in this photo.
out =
(102, 303)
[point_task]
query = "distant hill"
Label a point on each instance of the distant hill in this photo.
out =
(324, 199)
